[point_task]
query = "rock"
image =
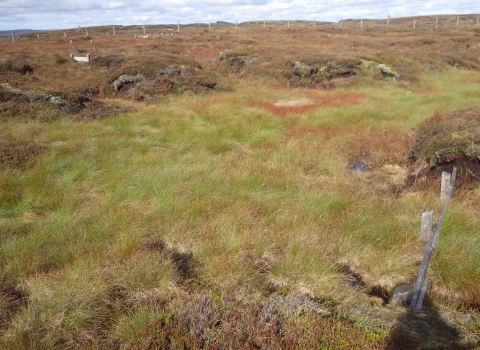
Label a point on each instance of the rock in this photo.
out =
(170, 71)
(125, 78)
(388, 71)
(302, 70)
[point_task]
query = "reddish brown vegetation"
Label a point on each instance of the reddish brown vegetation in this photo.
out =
(324, 101)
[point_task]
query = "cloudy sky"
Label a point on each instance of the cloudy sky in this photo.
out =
(61, 14)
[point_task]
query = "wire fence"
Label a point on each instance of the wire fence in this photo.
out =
(414, 23)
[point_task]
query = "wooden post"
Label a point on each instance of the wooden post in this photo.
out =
(477, 21)
(236, 24)
(209, 25)
(65, 35)
(113, 30)
(421, 296)
(143, 29)
(436, 23)
(341, 19)
(458, 20)
(421, 284)
(314, 20)
(445, 184)
(178, 26)
(264, 24)
(288, 23)
(13, 37)
(361, 23)
(388, 20)
(426, 225)
(86, 32)
(414, 24)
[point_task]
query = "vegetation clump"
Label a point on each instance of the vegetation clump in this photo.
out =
(446, 137)
(314, 72)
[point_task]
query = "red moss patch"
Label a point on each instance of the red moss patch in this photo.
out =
(427, 92)
(324, 101)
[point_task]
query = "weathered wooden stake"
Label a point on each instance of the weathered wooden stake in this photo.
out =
(426, 225)
(314, 20)
(445, 185)
(288, 23)
(388, 20)
(341, 19)
(477, 21)
(236, 24)
(264, 24)
(361, 23)
(113, 30)
(209, 26)
(414, 24)
(421, 296)
(178, 26)
(65, 35)
(458, 20)
(13, 37)
(436, 23)
(143, 29)
(86, 32)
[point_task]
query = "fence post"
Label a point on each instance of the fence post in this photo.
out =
(458, 20)
(426, 225)
(445, 184)
(361, 23)
(178, 26)
(436, 23)
(13, 37)
(414, 23)
(263, 23)
(388, 20)
(113, 30)
(314, 20)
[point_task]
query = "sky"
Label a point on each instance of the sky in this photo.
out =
(64, 14)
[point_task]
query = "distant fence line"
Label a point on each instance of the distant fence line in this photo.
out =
(423, 22)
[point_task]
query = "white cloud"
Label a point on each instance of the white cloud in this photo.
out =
(53, 14)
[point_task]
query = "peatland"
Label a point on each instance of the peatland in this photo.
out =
(238, 188)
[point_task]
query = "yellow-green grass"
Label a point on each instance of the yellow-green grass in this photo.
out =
(259, 207)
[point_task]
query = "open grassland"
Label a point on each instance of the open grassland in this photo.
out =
(231, 216)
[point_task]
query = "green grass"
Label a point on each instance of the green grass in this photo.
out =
(216, 177)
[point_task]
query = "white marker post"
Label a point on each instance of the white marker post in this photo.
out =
(13, 37)
(445, 185)
(426, 225)
(65, 35)
(143, 29)
(388, 20)
(178, 26)
(361, 23)
(113, 30)
(414, 24)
